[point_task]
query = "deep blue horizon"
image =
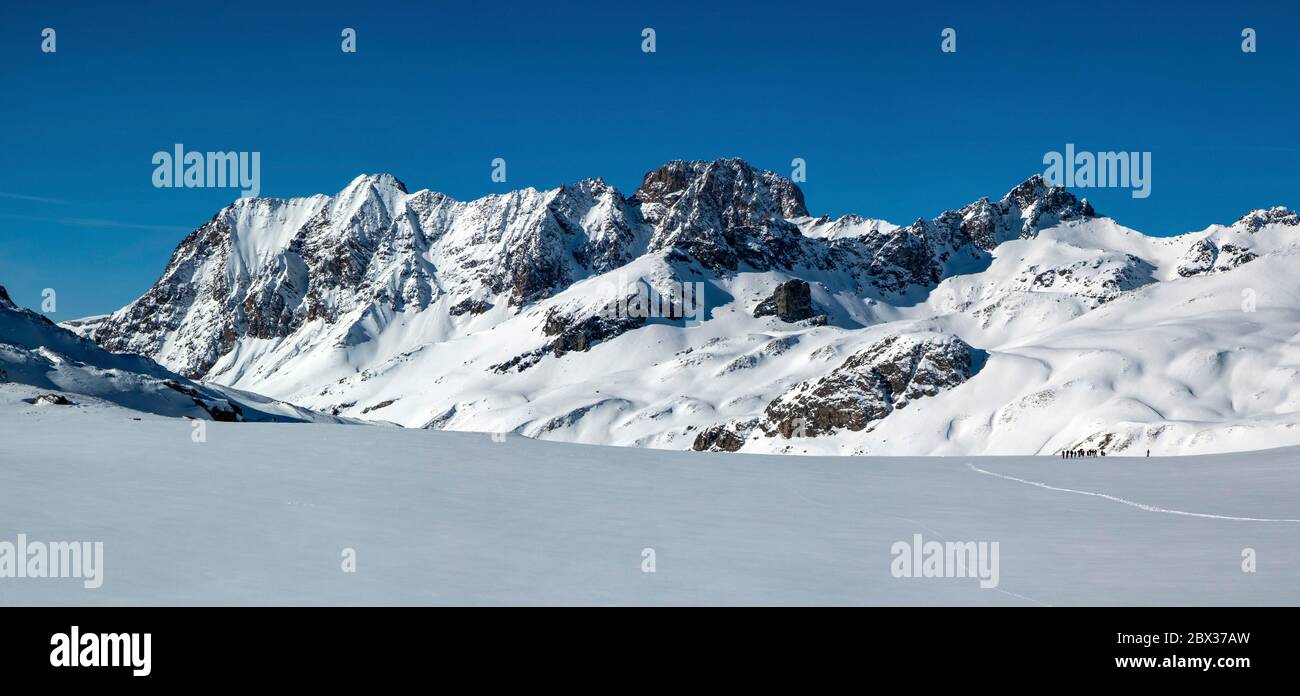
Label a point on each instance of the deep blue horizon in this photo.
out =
(889, 125)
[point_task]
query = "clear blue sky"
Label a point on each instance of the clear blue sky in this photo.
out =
(890, 126)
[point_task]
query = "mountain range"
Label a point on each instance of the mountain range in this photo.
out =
(1025, 324)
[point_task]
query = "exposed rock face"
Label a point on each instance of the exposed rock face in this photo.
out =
(724, 213)
(581, 332)
(1205, 257)
(1253, 221)
(4, 299)
(724, 437)
(1100, 280)
(791, 301)
(52, 400)
(1232, 255)
(925, 252)
(469, 305)
(382, 404)
(1199, 258)
(220, 410)
(1230, 248)
(871, 384)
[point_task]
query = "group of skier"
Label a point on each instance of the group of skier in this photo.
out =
(1076, 454)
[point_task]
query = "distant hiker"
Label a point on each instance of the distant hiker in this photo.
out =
(1148, 453)
(1103, 453)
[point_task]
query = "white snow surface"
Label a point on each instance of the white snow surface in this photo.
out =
(261, 513)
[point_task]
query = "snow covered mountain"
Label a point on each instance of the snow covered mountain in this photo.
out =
(710, 310)
(46, 365)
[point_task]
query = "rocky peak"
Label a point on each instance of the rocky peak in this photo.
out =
(1261, 217)
(1042, 205)
(1029, 191)
(381, 181)
(4, 299)
(741, 192)
(591, 186)
(723, 213)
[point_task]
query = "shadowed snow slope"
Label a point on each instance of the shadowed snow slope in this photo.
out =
(1071, 330)
(38, 357)
(262, 513)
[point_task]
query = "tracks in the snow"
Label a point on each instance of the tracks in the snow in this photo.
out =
(1125, 501)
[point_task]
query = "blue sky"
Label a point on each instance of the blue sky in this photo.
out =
(889, 125)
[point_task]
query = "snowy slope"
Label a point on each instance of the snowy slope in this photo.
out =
(39, 358)
(1054, 327)
(262, 514)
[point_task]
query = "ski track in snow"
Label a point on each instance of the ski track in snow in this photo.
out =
(1130, 503)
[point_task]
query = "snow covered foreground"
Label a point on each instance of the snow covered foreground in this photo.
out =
(260, 513)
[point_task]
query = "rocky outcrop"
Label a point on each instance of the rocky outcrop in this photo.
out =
(1198, 259)
(1233, 255)
(1256, 220)
(580, 333)
(220, 410)
(724, 437)
(469, 305)
(1097, 280)
(1205, 257)
(887, 375)
(791, 301)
